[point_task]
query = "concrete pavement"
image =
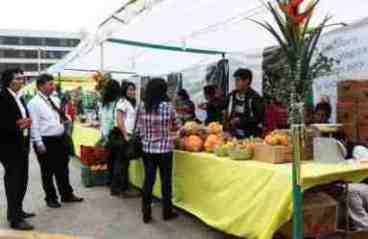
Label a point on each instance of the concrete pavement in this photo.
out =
(100, 216)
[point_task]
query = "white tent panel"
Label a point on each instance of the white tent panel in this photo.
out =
(205, 24)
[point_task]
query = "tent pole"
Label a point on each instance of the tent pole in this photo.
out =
(102, 57)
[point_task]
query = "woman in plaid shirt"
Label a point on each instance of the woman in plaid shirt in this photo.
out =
(156, 126)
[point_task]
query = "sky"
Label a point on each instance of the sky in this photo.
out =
(56, 15)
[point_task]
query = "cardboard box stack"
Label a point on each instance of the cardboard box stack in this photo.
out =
(352, 109)
(320, 216)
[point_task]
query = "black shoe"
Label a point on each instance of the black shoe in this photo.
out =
(21, 226)
(53, 204)
(72, 199)
(26, 215)
(147, 212)
(147, 218)
(115, 193)
(170, 216)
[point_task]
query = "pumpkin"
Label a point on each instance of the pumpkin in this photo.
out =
(212, 142)
(215, 128)
(193, 143)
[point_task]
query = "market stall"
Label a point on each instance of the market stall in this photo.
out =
(248, 199)
(243, 197)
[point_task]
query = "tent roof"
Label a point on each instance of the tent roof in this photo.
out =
(200, 24)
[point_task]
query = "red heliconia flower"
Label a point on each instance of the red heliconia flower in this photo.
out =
(296, 3)
(300, 18)
(292, 10)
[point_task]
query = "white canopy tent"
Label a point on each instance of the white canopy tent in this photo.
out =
(221, 26)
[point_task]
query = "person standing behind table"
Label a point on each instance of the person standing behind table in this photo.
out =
(213, 107)
(245, 107)
(47, 133)
(156, 126)
(276, 116)
(125, 120)
(185, 107)
(14, 144)
(322, 111)
(110, 97)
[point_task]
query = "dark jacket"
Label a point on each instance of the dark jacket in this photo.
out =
(251, 121)
(13, 143)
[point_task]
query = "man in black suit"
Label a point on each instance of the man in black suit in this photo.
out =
(14, 144)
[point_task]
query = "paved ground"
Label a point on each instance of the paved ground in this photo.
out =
(101, 216)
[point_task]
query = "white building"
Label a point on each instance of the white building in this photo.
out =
(34, 51)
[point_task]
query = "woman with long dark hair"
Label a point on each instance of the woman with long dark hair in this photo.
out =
(110, 97)
(156, 126)
(125, 122)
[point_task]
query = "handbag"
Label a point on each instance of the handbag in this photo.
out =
(133, 147)
(115, 139)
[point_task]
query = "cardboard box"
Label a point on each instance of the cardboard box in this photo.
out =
(363, 134)
(273, 154)
(351, 132)
(362, 113)
(362, 91)
(353, 90)
(347, 112)
(320, 216)
(347, 90)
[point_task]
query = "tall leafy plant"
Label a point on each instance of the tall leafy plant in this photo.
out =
(297, 39)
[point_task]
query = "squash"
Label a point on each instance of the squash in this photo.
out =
(215, 128)
(193, 143)
(212, 142)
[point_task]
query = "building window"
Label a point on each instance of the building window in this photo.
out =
(11, 41)
(1, 40)
(30, 67)
(32, 41)
(22, 54)
(63, 54)
(11, 54)
(64, 42)
(52, 42)
(2, 53)
(31, 54)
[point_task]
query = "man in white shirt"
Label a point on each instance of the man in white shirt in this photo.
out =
(48, 138)
(14, 144)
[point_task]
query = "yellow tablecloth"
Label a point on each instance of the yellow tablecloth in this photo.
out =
(244, 198)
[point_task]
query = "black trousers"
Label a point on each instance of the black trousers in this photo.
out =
(165, 163)
(16, 181)
(119, 170)
(55, 163)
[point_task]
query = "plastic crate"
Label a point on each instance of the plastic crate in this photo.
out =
(93, 178)
(90, 155)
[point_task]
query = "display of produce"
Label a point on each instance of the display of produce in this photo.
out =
(194, 137)
(98, 167)
(212, 142)
(193, 143)
(277, 138)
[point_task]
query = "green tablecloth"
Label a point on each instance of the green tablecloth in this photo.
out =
(244, 198)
